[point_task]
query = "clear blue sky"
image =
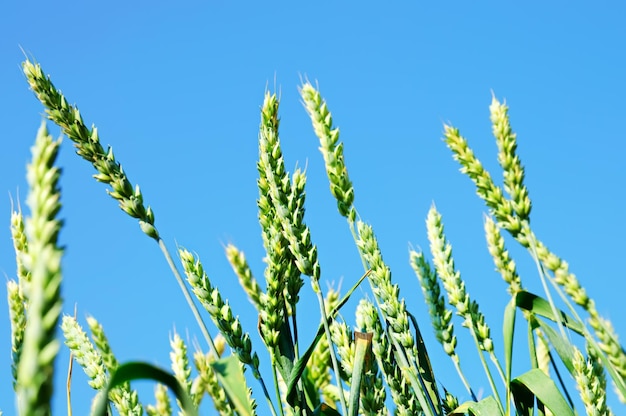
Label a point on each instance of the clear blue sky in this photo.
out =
(176, 88)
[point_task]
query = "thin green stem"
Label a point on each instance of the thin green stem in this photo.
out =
(487, 371)
(277, 391)
(188, 298)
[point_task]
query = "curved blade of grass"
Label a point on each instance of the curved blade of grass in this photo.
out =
(142, 371)
(230, 376)
(508, 332)
(425, 367)
(544, 389)
(300, 364)
(311, 393)
(562, 346)
(413, 375)
(524, 400)
(485, 407)
(362, 364)
(540, 306)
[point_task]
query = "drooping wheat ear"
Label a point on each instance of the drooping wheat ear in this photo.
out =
(511, 165)
(127, 399)
(332, 150)
(220, 312)
(17, 314)
(40, 346)
(162, 407)
(505, 265)
(206, 381)
(238, 262)
(84, 352)
(492, 194)
(609, 341)
(368, 321)
(591, 384)
(458, 297)
(88, 146)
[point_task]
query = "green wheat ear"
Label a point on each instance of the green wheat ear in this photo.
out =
(87, 143)
(162, 407)
(332, 150)
(36, 362)
(220, 312)
(591, 384)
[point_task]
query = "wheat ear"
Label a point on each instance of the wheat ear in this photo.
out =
(207, 381)
(109, 170)
(512, 168)
(591, 384)
(16, 291)
(126, 399)
(35, 368)
(440, 315)
(332, 151)
(505, 265)
(458, 297)
(238, 262)
(84, 352)
(513, 215)
(162, 407)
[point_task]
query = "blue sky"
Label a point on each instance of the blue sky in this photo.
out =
(175, 89)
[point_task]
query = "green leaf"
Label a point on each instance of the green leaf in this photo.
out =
(562, 346)
(508, 332)
(544, 389)
(426, 370)
(485, 407)
(540, 306)
(230, 375)
(524, 400)
(141, 371)
(287, 355)
(311, 393)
